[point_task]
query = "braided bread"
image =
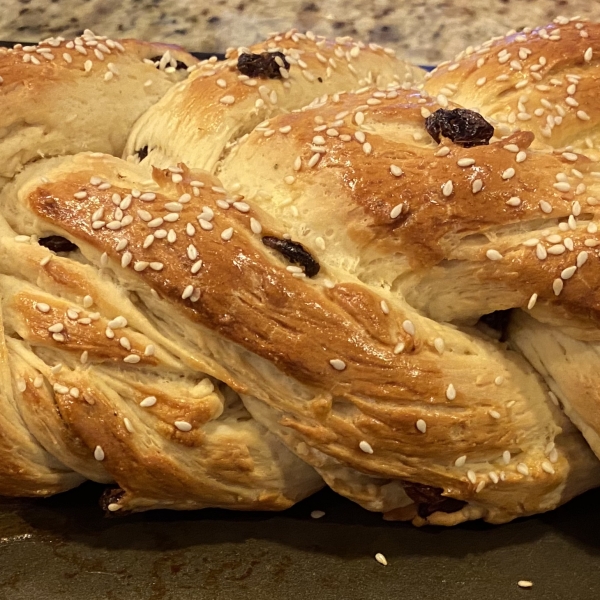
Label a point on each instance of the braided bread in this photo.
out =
(274, 292)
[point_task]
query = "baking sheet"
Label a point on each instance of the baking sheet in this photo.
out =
(65, 548)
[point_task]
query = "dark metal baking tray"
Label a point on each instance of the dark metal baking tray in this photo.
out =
(64, 548)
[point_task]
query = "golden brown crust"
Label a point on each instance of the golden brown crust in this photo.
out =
(500, 199)
(46, 92)
(362, 388)
(542, 80)
(197, 120)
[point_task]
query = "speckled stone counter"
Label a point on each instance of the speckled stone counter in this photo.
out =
(424, 31)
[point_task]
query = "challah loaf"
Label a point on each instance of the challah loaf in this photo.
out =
(305, 309)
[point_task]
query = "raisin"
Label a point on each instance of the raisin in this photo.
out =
(464, 127)
(295, 252)
(56, 243)
(262, 65)
(142, 153)
(429, 499)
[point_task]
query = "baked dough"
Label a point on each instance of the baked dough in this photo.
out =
(543, 80)
(65, 96)
(236, 337)
(198, 119)
(393, 399)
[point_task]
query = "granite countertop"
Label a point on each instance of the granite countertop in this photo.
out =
(424, 31)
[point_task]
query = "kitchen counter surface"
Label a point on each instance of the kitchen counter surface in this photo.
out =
(425, 31)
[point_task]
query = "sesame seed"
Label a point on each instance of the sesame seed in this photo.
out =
(409, 327)
(494, 414)
(366, 447)
(477, 186)
(471, 476)
(524, 584)
(317, 514)
(60, 389)
(545, 207)
(421, 425)
(443, 151)
(581, 114)
(98, 453)
(521, 156)
(359, 118)
(448, 188)
(148, 402)
(45, 260)
(508, 174)
(557, 286)
(42, 307)
(451, 392)
(568, 272)
(22, 239)
(396, 171)
(582, 258)
(556, 249)
(183, 426)
(547, 467)
(399, 347)
(187, 292)
(227, 100)
(465, 162)
(523, 469)
(126, 259)
(255, 226)
(587, 55)
(132, 359)
(337, 364)
(514, 201)
(493, 255)
(460, 461)
(396, 211)
(381, 559)
(439, 345)
(227, 234)
(118, 323)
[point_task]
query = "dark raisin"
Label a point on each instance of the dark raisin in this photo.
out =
(429, 499)
(142, 153)
(56, 243)
(262, 65)
(464, 127)
(295, 252)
